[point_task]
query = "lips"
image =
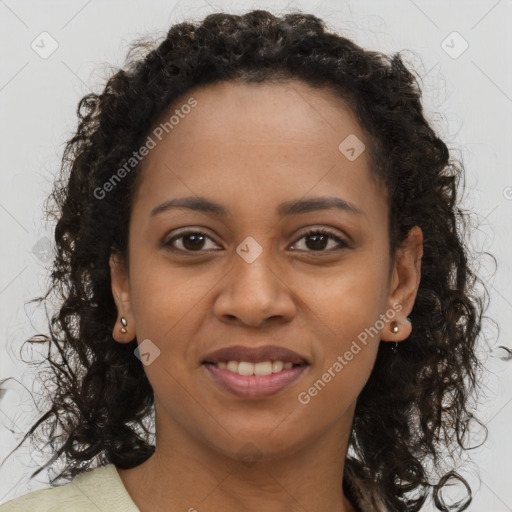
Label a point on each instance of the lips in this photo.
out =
(255, 355)
(254, 387)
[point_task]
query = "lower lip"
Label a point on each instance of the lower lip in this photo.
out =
(254, 386)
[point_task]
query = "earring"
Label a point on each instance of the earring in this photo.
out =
(125, 323)
(394, 329)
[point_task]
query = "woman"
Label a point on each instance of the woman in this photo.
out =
(258, 236)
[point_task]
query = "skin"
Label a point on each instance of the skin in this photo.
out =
(251, 147)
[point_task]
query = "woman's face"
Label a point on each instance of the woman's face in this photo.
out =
(251, 276)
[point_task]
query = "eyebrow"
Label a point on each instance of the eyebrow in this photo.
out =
(204, 205)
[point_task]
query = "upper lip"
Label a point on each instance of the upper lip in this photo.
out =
(254, 354)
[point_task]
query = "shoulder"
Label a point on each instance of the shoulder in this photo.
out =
(99, 489)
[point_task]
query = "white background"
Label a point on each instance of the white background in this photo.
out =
(468, 98)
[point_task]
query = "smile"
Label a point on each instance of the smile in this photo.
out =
(254, 380)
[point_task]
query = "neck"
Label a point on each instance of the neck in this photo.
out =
(185, 474)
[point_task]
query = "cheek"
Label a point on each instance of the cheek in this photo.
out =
(342, 370)
(161, 308)
(163, 295)
(347, 315)
(350, 299)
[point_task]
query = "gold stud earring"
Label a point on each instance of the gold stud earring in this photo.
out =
(394, 326)
(125, 323)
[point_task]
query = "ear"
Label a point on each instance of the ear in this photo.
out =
(405, 281)
(121, 293)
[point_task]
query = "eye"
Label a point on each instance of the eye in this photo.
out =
(194, 241)
(319, 237)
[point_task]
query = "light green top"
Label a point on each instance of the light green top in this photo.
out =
(102, 490)
(98, 490)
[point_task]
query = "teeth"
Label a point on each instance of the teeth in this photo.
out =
(246, 368)
(277, 366)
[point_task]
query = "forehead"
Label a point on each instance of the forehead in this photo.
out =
(267, 143)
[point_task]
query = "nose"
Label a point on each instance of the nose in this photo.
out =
(253, 293)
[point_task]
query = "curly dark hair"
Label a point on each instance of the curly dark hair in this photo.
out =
(417, 402)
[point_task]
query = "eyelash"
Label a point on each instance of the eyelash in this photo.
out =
(313, 231)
